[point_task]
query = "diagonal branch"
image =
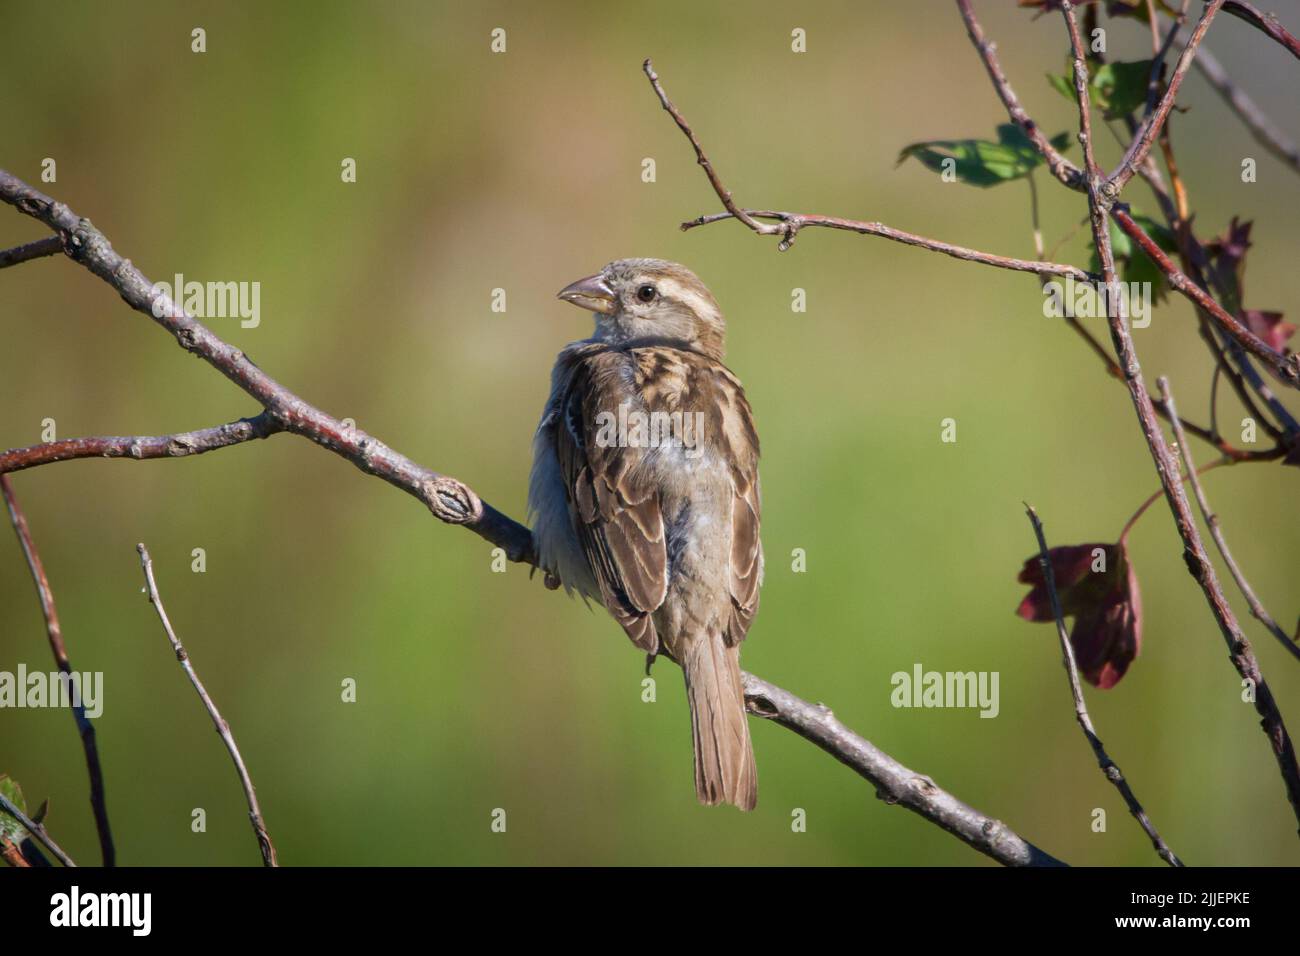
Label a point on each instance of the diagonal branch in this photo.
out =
(1216, 531)
(1138, 149)
(1286, 367)
(894, 783)
(455, 503)
(1263, 129)
(1108, 767)
(1198, 562)
(179, 445)
(54, 632)
(223, 728)
(1267, 22)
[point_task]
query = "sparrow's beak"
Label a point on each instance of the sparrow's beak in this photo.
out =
(590, 293)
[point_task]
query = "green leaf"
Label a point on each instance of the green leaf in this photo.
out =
(1117, 89)
(1063, 85)
(1121, 87)
(10, 828)
(979, 162)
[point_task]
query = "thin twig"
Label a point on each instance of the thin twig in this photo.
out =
(1155, 119)
(798, 220)
(1266, 22)
(1108, 766)
(35, 829)
(1216, 530)
(54, 633)
(223, 728)
(49, 246)
(1194, 554)
(1263, 129)
(179, 445)
(723, 193)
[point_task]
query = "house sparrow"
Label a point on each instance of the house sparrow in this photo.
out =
(644, 494)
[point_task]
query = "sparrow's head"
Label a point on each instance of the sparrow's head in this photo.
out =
(651, 299)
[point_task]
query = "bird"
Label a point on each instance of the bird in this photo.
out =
(644, 494)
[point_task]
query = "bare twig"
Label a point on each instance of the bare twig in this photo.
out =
(1216, 530)
(1108, 767)
(49, 246)
(1266, 22)
(54, 633)
(180, 445)
(796, 221)
(1263, 129)
(1198, 562)
(1136, 154)
(223, 728)
(894, 783)
(723, 193)
(35, 829)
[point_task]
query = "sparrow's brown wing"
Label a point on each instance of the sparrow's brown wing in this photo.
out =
(674, 380)
(617, 517)
(738, 442)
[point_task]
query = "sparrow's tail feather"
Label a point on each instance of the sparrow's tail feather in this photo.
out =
(724, 758)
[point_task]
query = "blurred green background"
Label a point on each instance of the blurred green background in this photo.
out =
(522, 171)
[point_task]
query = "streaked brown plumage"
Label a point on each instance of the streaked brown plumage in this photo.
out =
(665, 534)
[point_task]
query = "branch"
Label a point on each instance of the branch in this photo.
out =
(1198, 563)
(1265, 22)
(1108, 766)
(1061, 168)
(894, 783)
(1138, 149)
(49, 246)
(448, 499)
(35, 829)
(54, 632)
(288, 412)
(223, 728)
(795, 221)
(1216, 532)
(792, 222)
(1261, 127)
(179, 445)
(1286, 367)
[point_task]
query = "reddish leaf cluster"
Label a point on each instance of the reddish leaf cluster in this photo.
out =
(1098, 588)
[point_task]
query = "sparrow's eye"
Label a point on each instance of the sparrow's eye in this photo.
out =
(646, 293)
